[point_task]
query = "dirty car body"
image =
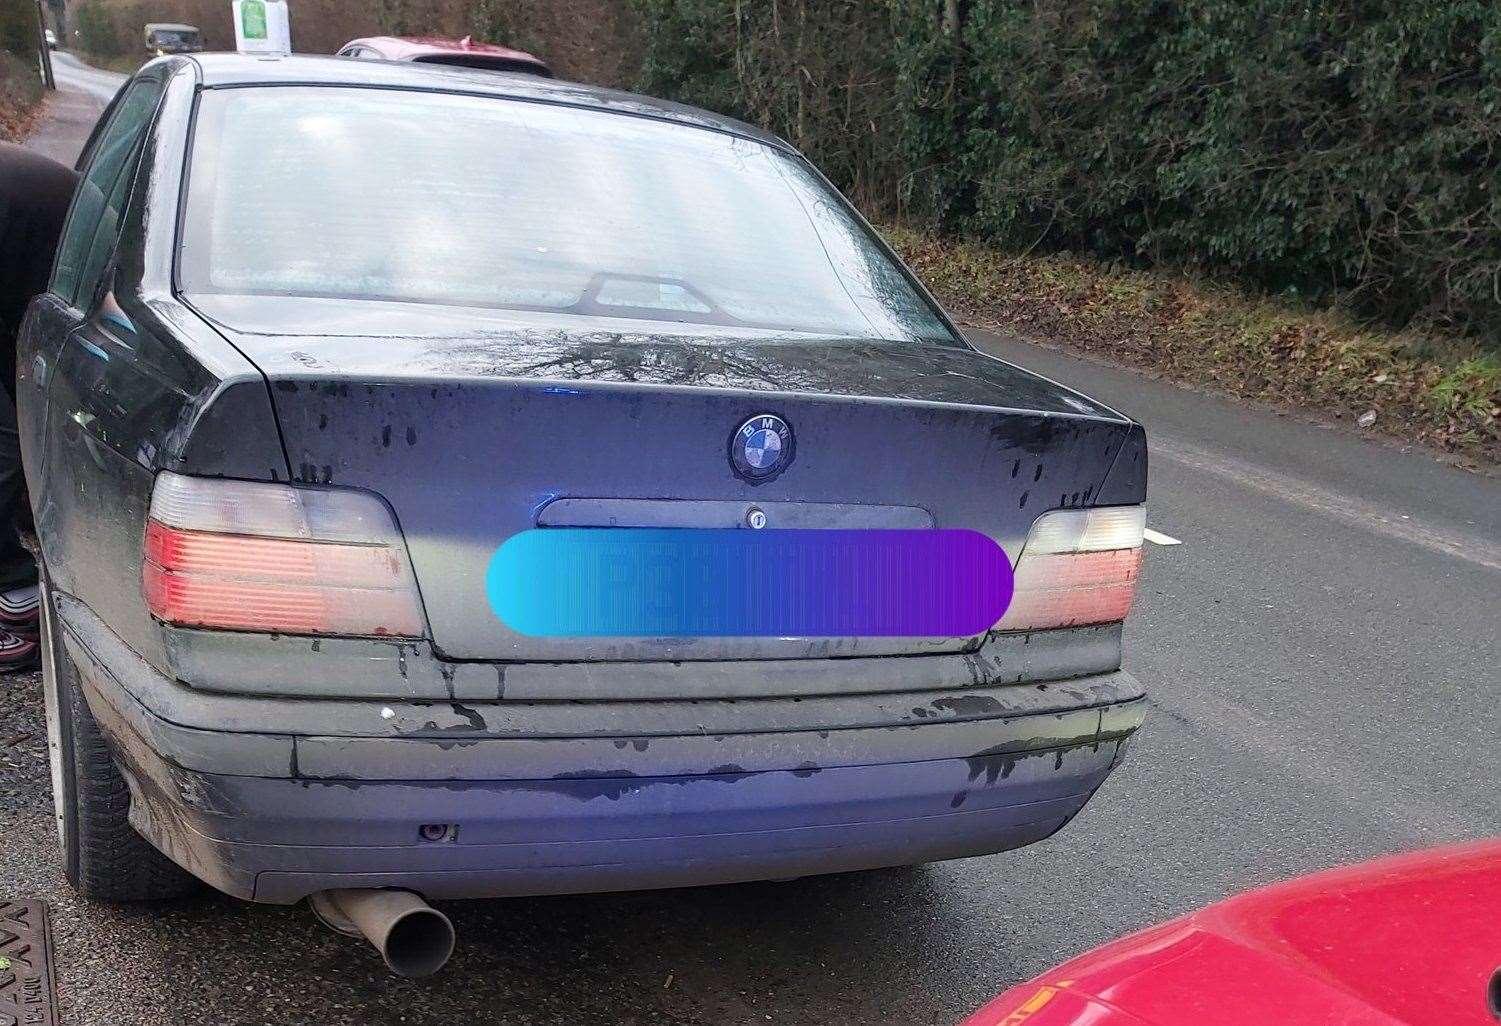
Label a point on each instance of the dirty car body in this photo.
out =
(240, 327)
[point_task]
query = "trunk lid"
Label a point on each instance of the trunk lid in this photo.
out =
(475, 433)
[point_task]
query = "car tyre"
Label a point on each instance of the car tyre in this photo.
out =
(103, 856)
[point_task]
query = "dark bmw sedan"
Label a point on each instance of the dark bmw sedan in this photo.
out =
(324, 336)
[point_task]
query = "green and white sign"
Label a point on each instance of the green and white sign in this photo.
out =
(262, 26)
(253, 19)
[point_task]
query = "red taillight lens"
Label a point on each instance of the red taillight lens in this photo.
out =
(1078, 567)
(237, 555)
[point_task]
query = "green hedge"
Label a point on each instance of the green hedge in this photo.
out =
(1307, 147)
(818, 72)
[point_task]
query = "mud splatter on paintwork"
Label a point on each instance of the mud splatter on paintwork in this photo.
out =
(475, 720)
(969, 705)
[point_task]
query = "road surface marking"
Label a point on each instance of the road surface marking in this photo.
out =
(1404, 805)
(1380, 520)
(1157, 538)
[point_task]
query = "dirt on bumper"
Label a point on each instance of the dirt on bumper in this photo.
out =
(565, 797)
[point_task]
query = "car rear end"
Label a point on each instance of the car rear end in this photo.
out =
(337, 713)
(335, 702)
(311, 731)
(173, 39)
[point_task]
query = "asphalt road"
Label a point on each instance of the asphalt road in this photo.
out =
(1323, 659)
(82, 93)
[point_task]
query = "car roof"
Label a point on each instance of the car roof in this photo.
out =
(232, 70)
(170, 26)
(415, 46)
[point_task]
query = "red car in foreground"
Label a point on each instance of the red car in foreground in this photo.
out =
(1411, 940)
(463, 53)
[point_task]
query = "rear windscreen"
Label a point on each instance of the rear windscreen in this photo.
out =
(488, 202)
(169, 37)
(485, 62)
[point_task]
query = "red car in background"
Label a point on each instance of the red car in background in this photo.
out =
(464, 53)
(1411, 940)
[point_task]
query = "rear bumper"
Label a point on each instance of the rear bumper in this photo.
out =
(573, 797)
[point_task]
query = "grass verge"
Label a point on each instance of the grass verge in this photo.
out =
(1421, 388)
(127, 64)
(20, 97)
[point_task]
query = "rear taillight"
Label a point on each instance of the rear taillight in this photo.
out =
(241, 555)
(1077, 567)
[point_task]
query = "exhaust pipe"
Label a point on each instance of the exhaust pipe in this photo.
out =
(414, 938)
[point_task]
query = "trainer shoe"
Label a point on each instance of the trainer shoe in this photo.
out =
(20, 609)
(18, 653)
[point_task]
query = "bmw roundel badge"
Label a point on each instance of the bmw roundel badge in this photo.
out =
(761, 448)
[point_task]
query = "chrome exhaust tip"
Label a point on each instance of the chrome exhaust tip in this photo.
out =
(412, 937)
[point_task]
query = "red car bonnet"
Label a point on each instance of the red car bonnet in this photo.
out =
(1412, 940)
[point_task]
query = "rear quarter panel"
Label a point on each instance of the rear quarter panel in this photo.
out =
(138, 385)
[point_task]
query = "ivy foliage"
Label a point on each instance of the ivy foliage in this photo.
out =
(817, 72)
(1306, 147)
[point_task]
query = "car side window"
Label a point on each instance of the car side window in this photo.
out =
(103, 245)
(94, 218)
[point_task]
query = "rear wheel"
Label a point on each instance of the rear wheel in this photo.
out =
(103, 856)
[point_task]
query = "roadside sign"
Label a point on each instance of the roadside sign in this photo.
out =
(262, 26)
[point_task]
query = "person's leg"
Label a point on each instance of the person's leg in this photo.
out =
(18, 574)
(17, 565)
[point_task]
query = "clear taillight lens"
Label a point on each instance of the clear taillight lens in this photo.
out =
(1078, 567)
(241, 555)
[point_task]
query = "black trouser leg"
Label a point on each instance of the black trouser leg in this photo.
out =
(17, 566)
